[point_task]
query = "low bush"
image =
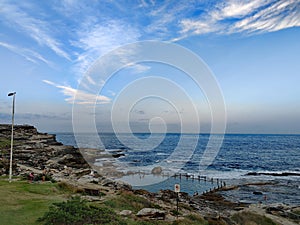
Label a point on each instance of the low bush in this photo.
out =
(65, 186)
(130, 201)
(246, 217)
(78, 212)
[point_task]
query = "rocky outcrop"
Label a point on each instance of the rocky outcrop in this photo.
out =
(37, 150)
(40, 153)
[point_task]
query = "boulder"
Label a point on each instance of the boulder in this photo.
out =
(156, 170)
(125, 213)
(152, 213)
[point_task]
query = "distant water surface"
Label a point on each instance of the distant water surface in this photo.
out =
(239, 155)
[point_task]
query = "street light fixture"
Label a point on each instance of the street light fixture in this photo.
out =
(12, 134)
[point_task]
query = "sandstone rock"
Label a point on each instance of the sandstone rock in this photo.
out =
(123, 186)
(82, 172)
(91, 198)
(87, 179)
(125, 213)
(39, 150)
(156, 170)
(152, 213)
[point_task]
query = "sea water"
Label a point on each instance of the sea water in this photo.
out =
(238, 155)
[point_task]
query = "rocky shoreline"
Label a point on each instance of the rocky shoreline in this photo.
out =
(41, 153)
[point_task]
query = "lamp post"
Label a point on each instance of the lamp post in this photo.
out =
(12, 134)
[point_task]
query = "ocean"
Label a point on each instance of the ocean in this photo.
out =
(240, 157)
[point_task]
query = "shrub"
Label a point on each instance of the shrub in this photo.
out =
(77, 212)
(69, 187)
(246, 217)
(130, 201)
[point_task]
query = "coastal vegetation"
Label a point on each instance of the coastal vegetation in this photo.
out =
(246, 217)
(4, 143)
(40, 203)
(23, 202)
(78, 211)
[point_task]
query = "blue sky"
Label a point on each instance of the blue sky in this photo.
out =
(252, 47)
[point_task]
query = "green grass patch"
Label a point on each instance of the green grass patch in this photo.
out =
(246, 217)
(23, 203)
(4, 143)
(129, 201)
(191, 219)
(297, 212)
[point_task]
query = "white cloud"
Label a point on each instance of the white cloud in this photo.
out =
(37, 29)
(26, 53)
(238, 9)
(97, 38)
(198, 27)
(281, 15)
(165, 16)
(79, 96)
(136, 67)
(244, 16)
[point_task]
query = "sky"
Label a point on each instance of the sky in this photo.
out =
(252, 49)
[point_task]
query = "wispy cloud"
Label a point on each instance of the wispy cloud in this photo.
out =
(244, 16)
(26, 53)
(96, 39)
(164, 17)
(78, 96)
(277, 16)
(37, 29)
(197, 27)
(237, 8)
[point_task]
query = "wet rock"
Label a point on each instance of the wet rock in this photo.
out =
(257, 193)
(118, 155)
(156, 170)
(276, 174)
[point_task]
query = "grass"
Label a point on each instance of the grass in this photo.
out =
(191, 219)
(251, 218)
(297, 212)
(23, 203)
(129, 201)
(4, 143)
